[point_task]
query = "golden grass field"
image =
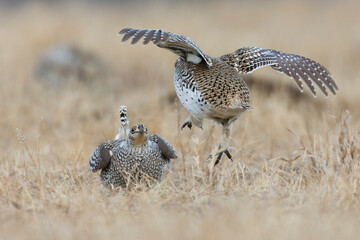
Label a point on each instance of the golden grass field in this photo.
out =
(296, 169)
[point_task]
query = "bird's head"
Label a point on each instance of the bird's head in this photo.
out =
(138, 134)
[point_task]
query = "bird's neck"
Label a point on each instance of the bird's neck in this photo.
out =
(139, 140)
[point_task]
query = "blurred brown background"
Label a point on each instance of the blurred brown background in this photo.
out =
(64, 74)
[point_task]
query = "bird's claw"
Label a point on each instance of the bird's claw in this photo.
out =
(186, 124)
(228, 154)
(219, 154)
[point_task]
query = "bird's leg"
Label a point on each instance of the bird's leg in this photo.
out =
(224, 142)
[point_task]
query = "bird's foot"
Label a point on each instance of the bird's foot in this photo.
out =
(219, 154)
(187, 123)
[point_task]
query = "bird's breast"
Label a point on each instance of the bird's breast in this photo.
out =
(187, 90)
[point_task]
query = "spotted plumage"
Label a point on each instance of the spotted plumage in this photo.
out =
(246, 60)
(126, 161)
(212, 87)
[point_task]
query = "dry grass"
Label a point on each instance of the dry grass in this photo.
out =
(296, 172)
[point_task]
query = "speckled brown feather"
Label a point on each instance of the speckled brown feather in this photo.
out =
(221, 86)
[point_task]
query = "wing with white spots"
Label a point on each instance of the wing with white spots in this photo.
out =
(178, 44)
(165, 147)
(102, 155)
(246, 60)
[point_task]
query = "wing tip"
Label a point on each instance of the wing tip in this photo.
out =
(92, 164)
(125, 30)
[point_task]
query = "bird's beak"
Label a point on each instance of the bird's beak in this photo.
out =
(142, 130)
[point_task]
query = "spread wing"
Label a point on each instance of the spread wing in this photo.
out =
(165, 147)
(246, 60)
(176, 43)
(102, 155)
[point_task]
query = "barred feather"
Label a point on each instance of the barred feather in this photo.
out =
(101, 156)
(176, 43)
(124, 124)
(246, 60)
(165, 147)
